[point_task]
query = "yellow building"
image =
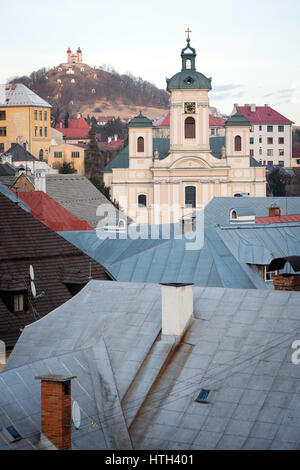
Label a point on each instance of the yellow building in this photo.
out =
(69, 153)
(160, 180)
(25, 119)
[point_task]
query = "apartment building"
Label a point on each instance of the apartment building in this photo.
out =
(270, 134)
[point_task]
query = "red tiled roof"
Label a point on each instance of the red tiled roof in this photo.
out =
(79, 123)
(114, 144)
(296, 150)
(263, 115)
(215, 122)
(52, 214)
(164, 121)
(70, 133)
(278, 219)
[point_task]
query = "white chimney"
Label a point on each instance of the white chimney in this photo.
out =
(177, 309)
(40, 182)
(116, 137)
(108, 140)
(253, 108)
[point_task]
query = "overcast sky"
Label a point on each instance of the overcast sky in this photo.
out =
(251, 49)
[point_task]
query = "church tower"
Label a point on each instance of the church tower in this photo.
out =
(189, 106)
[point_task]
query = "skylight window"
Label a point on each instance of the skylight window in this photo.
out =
(11, 434)
(203, 396)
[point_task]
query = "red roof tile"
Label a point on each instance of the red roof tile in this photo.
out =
(114, 144)
(70, 133)
(164, 121)
(278, 219)
(79, 123)
(263, 115)
(52, 214)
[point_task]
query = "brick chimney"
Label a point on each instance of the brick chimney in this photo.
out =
(56, 409)
(274, 211)
(177, 309)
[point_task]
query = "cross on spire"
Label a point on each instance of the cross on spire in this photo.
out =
(188, 31)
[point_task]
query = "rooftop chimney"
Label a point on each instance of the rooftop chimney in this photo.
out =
(253, 108)
(56, 409)
(177, 309)
(40, 181)
(274, 211)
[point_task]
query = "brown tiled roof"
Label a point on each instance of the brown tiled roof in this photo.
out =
(25, 241)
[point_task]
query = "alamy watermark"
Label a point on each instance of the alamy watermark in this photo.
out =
(296, 354)
(2, 353)
(159, 222)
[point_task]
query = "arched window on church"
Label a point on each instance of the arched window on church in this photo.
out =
(190, 196)
(237, 143)
(189, 128)
(142, 200)
(140, 144)
(41, 155)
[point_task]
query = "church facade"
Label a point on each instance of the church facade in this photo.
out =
(160, 180)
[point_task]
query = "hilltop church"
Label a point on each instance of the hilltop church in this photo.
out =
(159, 180)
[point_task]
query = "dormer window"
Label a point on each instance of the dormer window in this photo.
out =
(189, 80)
(140, 144)
(233, 214)
(18, 302)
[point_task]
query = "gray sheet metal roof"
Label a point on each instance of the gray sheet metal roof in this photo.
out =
(140, 391)
(217, 211)
(79, 196)
(222, 262)
(20, 96)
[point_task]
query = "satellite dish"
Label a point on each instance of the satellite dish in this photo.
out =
(76, 414)
(33, 289)
(31, 272)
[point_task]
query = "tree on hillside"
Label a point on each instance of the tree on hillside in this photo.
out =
(66, 168)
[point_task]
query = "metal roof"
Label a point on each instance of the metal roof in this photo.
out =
(20, 96)
(226, 259)
(217, 211)
(136, 391)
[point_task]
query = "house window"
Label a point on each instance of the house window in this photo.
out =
(2, 115)
(270, 140)
(281, 152)
(237, 143)
(45, 131)
(35, 131)
(270, 128)
(3, 131)
(280, 128)
(1, 147)
(41, 132)
(75, 155)
(190, 196)
(140, 144)
(252, 129)
(260, 139)
(233, 214)
(270, 162)
(270, 152)
(281, 140)
(212, 132)
(281, 163)
(298, 161)
(41, 155)
(142, 200)
(41, 115)
(260, 151)
(45, 115)
(269, 275)
(251, 140)
(189, 128)
(251, 153)
(35, 115)
(57, 154)
(260, 128)
(19, 303)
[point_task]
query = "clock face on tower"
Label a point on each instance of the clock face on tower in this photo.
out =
(190, 108)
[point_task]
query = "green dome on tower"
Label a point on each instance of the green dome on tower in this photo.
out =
(140, 121)
(237, 120)
(188, 78)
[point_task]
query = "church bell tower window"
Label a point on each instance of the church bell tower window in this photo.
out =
(237, 143)
(189, 128)
(140, 144)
